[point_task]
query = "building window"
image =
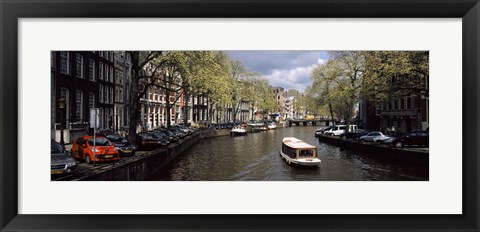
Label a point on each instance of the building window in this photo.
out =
(120, 79)
(106, 95)
(79, 62)
(402, 103)
(100, 71)
(91, 70)
(111, 74)
(117, 76)
(65, 94)
(100, 116)
(116, 94)
(106, 72)
(111, 56)
(110, 118)
(101, 94)
(409, 103)
(91, 100)
(64, 64)
(79, 106)
(111, 95)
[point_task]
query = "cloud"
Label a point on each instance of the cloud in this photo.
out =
(296, 78)
(287, 69)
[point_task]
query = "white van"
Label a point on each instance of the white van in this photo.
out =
(338, 130)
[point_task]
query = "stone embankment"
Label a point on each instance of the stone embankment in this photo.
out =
(418, 156)
(142, 166)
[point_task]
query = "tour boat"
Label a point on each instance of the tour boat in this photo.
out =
(296, 151)
(238, 130)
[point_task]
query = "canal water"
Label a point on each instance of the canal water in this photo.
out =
(255, 157)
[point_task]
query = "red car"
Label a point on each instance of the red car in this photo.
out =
(104, 150)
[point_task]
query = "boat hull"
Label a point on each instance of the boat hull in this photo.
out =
(238, 133)
(258, 129)
(309, 162)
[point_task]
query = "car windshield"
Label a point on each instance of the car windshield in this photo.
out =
(115, 138)
(102, 141)
(56, 148)
(156, 135)
(147, 136)
(159, 133)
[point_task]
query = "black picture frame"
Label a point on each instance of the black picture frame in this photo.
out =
(11, 11)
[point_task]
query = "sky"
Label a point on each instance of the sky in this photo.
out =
(287, 69)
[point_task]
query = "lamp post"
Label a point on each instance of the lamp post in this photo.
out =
(61, 105)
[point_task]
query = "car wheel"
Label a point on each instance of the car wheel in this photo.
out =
(87, 159)
(398, 144)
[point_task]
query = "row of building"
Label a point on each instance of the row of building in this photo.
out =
(82, 80)
(406, 114)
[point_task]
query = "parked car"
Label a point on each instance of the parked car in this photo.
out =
(61, 161)
(374, 136)
(83, 148)
(148, 141)
(121, 144)
(391, 138)
(173, 138)
(178, 132)
(184, 129)
(339, 130)
(322, 130)
(164, 139)
(416, 138)
(356, 134)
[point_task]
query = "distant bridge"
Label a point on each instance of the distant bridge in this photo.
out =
(313, 122)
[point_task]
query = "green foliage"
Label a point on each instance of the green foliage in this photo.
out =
(377, 76)
(390, 75)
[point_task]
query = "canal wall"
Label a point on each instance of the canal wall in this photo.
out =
(414, 156)
(141, 167)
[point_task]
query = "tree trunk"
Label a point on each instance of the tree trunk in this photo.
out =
(134, 110)
(168, 107)
(134, 113)
(185, 111)
(331, 110)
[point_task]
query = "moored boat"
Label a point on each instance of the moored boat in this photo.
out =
(296, 151)
(259, 128)
(271, 125)
(238, 130)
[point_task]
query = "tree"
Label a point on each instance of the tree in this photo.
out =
(237, 72)
(323, 82)
(339, 82)
(351, 66)
(256, 91)
(139, 61)
(390, 75)
(209, 77)
(311, 102)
